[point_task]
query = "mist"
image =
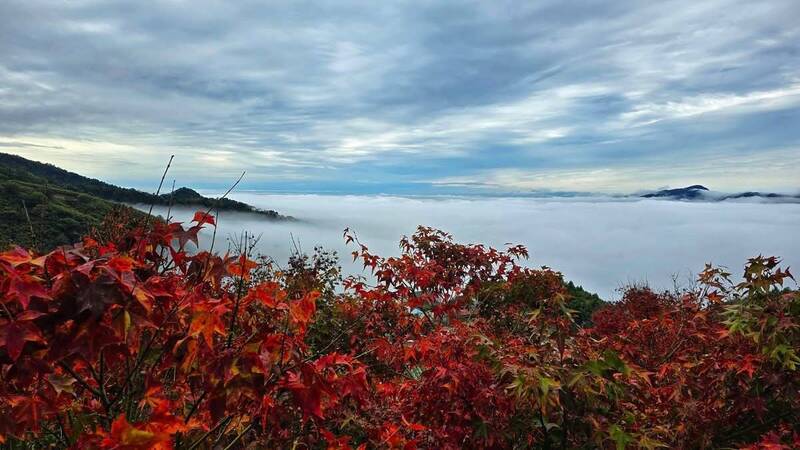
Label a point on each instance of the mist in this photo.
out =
(601, 244)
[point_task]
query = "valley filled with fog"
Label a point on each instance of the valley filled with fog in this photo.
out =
(600, 244)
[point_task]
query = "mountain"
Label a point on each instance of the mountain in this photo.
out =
(700, 192)
(770, 195)
(17, 167)
(686, 193)
(43, 206)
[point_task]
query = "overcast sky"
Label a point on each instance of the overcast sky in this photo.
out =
(417, 97)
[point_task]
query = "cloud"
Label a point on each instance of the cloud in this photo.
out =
(600, 243)
(646, 114)
(398, 95)
(779, 166)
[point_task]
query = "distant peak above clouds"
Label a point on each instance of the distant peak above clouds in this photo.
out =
(702, 193)
(685, 193)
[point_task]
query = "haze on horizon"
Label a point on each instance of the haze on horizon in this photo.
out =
(423, 97)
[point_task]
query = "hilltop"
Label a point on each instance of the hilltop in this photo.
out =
(687, 193)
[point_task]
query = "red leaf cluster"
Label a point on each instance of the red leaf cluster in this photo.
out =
(135, 342)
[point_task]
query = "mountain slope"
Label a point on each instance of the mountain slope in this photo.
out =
(583, 302)
(43, 216)
(19, 168)
(43, 206)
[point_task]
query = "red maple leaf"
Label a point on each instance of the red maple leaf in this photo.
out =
(202, 217)
(14, 335)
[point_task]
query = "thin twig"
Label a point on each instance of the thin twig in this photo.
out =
(239, 286)
(30, 224)
(208, 211)
(210, 432)
(171, 199)
(193, 409)
(239, 436)
(158, 191)
(144, 351)
(86, 385)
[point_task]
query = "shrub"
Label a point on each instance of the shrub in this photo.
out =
(128, 341)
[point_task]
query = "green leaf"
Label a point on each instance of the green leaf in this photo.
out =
(620, 437)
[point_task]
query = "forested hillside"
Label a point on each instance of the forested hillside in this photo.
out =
(18, 168)
(44, 206)
(40, 215)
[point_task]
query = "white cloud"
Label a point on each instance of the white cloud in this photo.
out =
(304, 90)
(767, 170)
(602, 244)
(650, 113)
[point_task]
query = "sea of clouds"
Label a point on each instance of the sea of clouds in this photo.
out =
(602, 244)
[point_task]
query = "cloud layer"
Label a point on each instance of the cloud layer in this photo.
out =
(602, 244)
(408, 96)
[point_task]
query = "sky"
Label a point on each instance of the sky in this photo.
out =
(419, 97)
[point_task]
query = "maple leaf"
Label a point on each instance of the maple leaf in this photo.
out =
(207, 321)
(14, 335)
(179, 258)
(303, 310)
(29, 410)
(306, 392)
(61, 383)
(107, 249)
(413, 426)
(185, 236)
(241, 267)
(144, 298)
(336, 443)
(447, 378)
(89, 340)
(202, 217)
(18, 256)
(99, 294)
(121, 263)
(268, 294)
(124, 436)
(24, 287)
(152, 396)
(89, 243)
(746, 365)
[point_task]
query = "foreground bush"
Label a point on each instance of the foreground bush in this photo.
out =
(132, 342)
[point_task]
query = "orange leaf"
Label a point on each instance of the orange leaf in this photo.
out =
(303, 310)
(241, 267)
(207, 322)
(269, 294)
(202, 217)
(121, 264)
(123, 435)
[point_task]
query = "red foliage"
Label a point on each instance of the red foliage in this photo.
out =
(130, 341)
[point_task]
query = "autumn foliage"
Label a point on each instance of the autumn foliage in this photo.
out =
(129, 341)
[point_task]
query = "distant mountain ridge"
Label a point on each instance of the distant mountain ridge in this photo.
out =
(702, 193)
(686, 193)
